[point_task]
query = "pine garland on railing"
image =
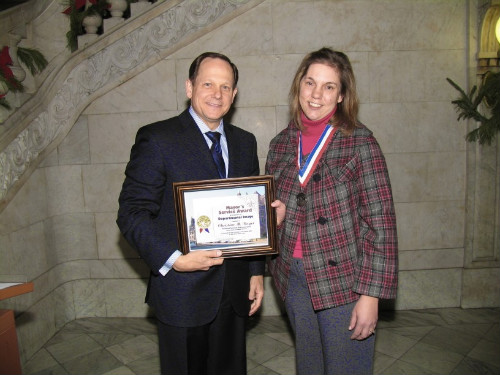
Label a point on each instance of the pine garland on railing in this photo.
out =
(31, 58)
(77, 11)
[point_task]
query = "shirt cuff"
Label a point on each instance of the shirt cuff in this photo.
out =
(170, 262)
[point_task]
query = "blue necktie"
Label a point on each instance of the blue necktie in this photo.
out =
(216, 150)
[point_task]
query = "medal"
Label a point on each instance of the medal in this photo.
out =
(314, 156)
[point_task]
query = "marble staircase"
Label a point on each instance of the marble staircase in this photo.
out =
(43, 117)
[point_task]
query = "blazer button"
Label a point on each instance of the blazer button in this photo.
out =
(316, 177)
(322, 220)
(301, 199)
(331, 262)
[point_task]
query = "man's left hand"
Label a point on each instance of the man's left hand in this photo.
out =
(256, 293)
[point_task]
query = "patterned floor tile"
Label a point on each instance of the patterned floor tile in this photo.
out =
(435, 341)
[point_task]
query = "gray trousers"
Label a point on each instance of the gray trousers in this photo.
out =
(322, 339)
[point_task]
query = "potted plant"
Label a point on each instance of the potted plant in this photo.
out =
(467, 107)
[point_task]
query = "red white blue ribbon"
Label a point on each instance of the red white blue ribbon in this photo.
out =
(314, 155)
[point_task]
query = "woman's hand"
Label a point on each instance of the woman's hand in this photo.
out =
(280, 211)
(364, 318)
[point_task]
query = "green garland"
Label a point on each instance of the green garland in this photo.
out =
(33, 60)
(76, 17)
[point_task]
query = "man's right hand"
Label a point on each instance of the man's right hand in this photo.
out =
(200, 260)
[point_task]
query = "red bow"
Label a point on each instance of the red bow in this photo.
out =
(6, 71)
(5, 61)
(78, 4)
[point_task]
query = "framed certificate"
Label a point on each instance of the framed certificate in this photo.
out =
(233, 215)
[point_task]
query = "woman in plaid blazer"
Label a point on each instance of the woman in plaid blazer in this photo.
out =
(338, 243)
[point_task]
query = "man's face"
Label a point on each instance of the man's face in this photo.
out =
(213, 91)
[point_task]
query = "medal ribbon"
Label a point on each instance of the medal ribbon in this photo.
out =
(314, 156)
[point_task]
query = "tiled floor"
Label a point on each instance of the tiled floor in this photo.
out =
(438, 341)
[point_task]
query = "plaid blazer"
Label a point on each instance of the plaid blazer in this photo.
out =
(348, 224)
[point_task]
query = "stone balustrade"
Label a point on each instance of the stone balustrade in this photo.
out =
(117, 9)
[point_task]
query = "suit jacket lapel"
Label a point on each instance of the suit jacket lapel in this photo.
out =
(196, 145)
(231, 150)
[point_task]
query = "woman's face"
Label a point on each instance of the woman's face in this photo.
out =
(319, 91)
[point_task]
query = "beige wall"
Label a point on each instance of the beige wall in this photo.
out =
(60, 226)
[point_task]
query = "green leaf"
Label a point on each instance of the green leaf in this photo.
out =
(467, 108)
(32, 58)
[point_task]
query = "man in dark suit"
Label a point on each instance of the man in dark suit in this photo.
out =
(201, 300)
